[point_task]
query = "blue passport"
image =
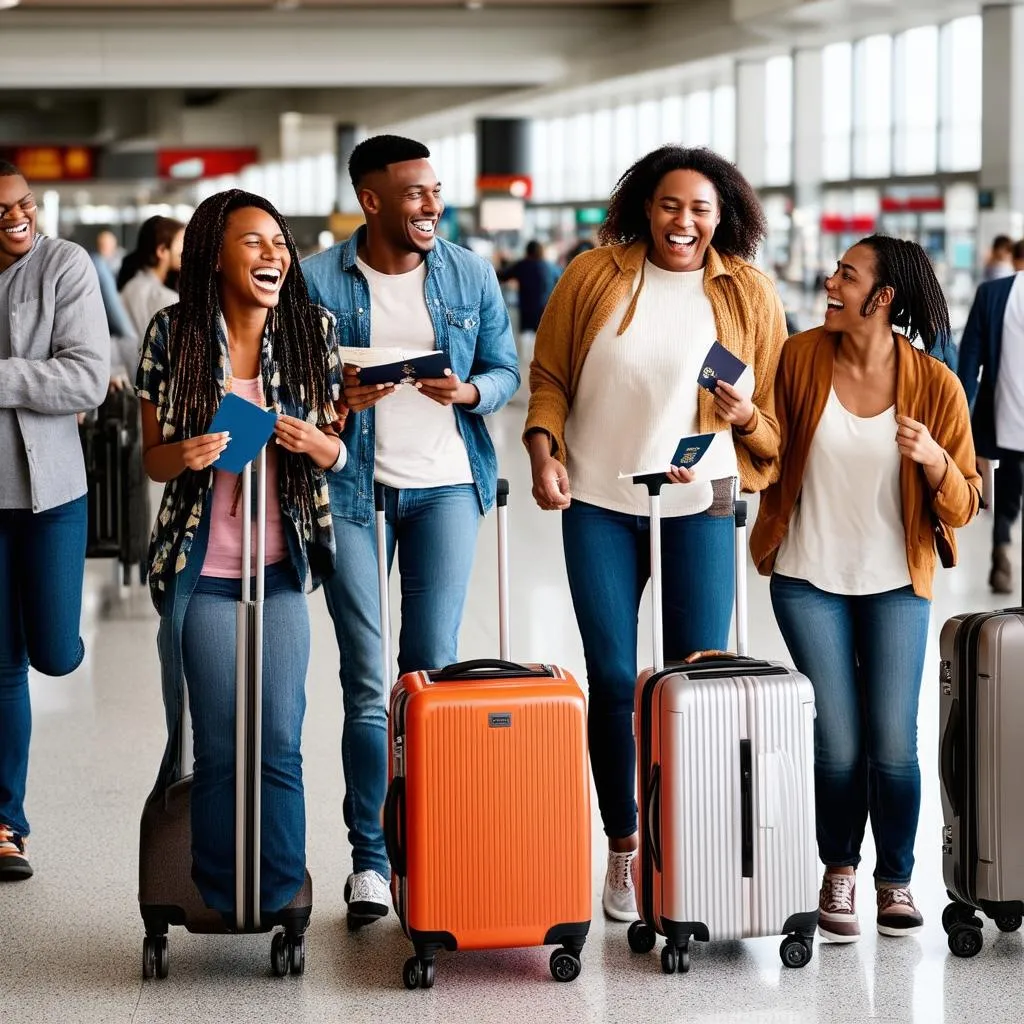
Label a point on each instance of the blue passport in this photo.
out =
(691, 450)
(406, 371)
(720, 364)
(250, 428)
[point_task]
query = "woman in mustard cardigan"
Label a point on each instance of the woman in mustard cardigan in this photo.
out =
(613, 389)
(877, 467)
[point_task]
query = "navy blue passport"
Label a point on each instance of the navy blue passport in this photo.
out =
(691, 450)
(250, 428)
(406, 371)
(720, 364)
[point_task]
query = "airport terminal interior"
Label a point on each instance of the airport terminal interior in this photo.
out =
(848, 117)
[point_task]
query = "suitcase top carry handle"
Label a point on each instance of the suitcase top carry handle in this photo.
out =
(493, 668)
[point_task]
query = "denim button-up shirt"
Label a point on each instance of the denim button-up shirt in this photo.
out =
(471, 326)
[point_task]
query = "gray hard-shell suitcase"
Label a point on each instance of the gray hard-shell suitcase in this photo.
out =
(725, 788)
(167, 894)
(981, 722)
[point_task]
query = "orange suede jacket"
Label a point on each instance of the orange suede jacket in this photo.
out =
(926, 391)
(749, 319)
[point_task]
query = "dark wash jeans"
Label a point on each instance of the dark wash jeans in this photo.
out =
(42, 566)
(607, 557)
(864, 655)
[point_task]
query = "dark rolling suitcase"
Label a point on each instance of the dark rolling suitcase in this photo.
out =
(167, 894)
(981, 721)
(725, 791)
(118, 495)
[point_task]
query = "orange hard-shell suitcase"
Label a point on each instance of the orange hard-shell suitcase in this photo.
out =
(487, 818)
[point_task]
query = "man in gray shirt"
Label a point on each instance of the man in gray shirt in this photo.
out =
(54, 363)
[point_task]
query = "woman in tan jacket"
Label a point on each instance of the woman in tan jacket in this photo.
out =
(614, 387)
(877, 468)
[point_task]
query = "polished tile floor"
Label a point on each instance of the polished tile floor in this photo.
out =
(70, 938)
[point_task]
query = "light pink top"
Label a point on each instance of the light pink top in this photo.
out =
(224, 551)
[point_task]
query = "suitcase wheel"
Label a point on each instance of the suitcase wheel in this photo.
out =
(565, 965)
(418, 973)
(796, 951)
(965, 940)
(641, 937)
(1009, 922)
(288, 954)
(155, 958)
(960, 913)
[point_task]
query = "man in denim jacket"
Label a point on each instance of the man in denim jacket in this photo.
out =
(393, 285)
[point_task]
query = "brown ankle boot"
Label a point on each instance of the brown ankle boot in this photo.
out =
(1000, 579)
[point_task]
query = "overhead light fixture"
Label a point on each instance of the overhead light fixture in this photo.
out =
(474, 5)
(286, 5)
(7, 4)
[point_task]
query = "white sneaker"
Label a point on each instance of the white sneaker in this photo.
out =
(619, 897)
(367, 895)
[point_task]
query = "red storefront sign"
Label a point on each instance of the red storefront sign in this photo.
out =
(913, 204)
(519, 186)
(191, 164)
(837, 224)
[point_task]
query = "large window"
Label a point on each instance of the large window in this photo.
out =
(916, 99)
(872, 107)
(778, 121)
(723, 121)
(603, 154)
(648, 126)
(698, 118)
(837, 110)
(960, 95)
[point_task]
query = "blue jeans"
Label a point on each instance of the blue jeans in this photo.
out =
(208, 653)
(435, 531)
(607, 557)
(42, 566)
(864, 656)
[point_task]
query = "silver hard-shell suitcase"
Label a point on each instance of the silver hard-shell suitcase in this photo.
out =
(167, 894)
(725, 788)
(981, 721)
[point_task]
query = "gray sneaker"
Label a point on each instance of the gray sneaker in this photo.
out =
(619, 896)
(367, 895)
(837, 908)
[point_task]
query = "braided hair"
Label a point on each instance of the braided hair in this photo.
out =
(300, 358)
(918, 307)
(743, 223)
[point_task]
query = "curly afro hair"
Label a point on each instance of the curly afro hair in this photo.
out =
(743, 224)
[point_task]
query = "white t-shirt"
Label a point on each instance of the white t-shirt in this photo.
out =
(418, 443)
(1009, 397)
(846, 535)
(637, 396)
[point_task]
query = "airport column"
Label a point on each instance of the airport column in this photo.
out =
(504, 181)
(808, 169)
(1002, 120)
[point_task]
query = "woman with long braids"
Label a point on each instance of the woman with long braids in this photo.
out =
(244, 323)
(877, 470)
(613, 387)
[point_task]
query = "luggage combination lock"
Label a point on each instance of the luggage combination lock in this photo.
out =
(946, 676)
(947, 840)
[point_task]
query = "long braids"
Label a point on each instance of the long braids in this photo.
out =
(918, 307)
(300, 358)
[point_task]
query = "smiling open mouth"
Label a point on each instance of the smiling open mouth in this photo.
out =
(834, 304)
(18, 231)
(682, 243)
(268, 279)
(424, 227)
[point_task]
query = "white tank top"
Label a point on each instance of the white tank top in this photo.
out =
(846, 535)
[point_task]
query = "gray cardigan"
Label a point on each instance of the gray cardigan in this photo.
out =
(59, 365)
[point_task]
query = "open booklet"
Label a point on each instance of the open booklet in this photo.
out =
(395, 365)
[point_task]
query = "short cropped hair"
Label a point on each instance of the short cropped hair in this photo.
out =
(376, 153)
(1018, 250)
(8, 170)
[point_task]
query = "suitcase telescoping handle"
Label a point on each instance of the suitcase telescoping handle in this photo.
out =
(464, 670)
(249, 703)
(654, 482)
(382, 581)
